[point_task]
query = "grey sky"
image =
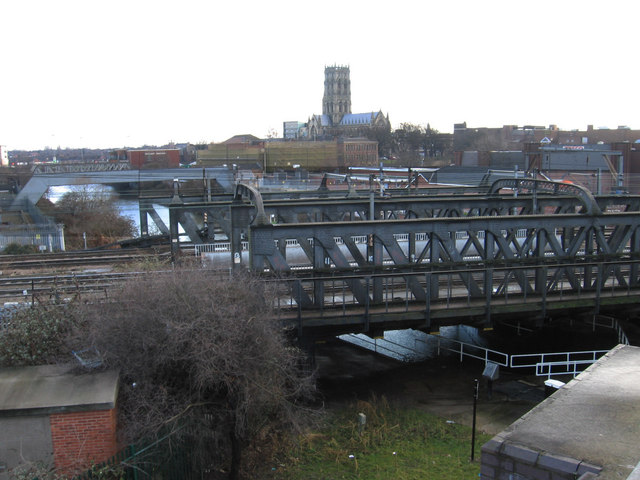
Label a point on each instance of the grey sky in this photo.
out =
(126, 73)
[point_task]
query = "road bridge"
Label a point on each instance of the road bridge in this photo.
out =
(374, 263)
(39, 183)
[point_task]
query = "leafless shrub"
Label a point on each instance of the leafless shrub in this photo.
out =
(193, 346)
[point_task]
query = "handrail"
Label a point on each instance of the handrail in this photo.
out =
(554, 357)
(570, 368)
(461, 350)
(543, 367)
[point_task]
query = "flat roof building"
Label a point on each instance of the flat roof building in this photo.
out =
(55, 415)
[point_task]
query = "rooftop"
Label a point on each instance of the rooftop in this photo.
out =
(595, 418)
(46, 389)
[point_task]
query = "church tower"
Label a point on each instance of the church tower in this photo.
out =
(336, 101)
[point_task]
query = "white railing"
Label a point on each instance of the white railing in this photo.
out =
(545, 364)
(548, 364)
(464, 349)
(217, 247)
(573, 368)
(610, 322)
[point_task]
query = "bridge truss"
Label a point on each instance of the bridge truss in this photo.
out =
(370, 264)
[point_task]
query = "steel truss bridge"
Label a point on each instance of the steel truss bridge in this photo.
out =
(524, 250)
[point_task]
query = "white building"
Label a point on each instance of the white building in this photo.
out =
(4, 156)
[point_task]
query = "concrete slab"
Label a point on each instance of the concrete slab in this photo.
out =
(592, 420)
(48, 389)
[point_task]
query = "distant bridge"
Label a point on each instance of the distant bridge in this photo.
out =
(39, 183)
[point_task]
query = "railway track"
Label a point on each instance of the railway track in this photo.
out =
(65, 275)
(47, 261)
(47, 288)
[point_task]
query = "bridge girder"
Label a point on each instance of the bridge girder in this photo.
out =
(422, 253)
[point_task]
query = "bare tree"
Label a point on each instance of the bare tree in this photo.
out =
(90, 213)
(192, 346)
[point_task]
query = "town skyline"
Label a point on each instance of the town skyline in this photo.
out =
(203, 72)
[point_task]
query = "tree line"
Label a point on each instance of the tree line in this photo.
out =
(413, 145)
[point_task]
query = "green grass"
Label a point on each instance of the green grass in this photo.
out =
(396, 444)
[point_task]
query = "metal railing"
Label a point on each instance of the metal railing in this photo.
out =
(545, 364)
(556, 363)
(464, 349)
(573, 368)
(610, 322)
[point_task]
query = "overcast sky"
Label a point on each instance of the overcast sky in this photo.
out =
(134, 72)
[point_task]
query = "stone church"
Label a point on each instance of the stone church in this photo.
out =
(336, 119)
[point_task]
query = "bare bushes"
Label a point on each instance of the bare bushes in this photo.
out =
(191, 346)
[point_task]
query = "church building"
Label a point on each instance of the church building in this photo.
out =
(337, 120)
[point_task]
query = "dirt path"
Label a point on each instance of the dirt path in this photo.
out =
(443, 387)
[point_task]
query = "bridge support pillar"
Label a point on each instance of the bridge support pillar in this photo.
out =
(174, 231)
(427, 303)
(239, 221)
(308, 346)
(144, 224)
(489, 254)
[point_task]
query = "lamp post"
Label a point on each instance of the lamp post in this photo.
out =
(473, 423)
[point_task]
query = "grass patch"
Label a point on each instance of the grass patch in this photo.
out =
(402, 444)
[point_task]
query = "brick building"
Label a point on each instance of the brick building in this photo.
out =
(513, 137)
(319, 156)
(602, 160)
(52, 415)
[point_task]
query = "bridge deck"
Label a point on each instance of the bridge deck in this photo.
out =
(374, 319)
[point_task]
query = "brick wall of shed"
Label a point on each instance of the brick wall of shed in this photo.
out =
(83, 438)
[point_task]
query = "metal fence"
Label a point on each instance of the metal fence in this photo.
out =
(464, 349)
(161, 459)
(556, 363)
(47, 237)
(545, 364)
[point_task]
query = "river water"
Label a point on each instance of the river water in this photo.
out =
(127, 208)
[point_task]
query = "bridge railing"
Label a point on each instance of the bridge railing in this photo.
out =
(544, 364)
(464, 286)
(464, 349)
(556, 363)
(573, 367)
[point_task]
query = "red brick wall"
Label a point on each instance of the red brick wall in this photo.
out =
(81, 439)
